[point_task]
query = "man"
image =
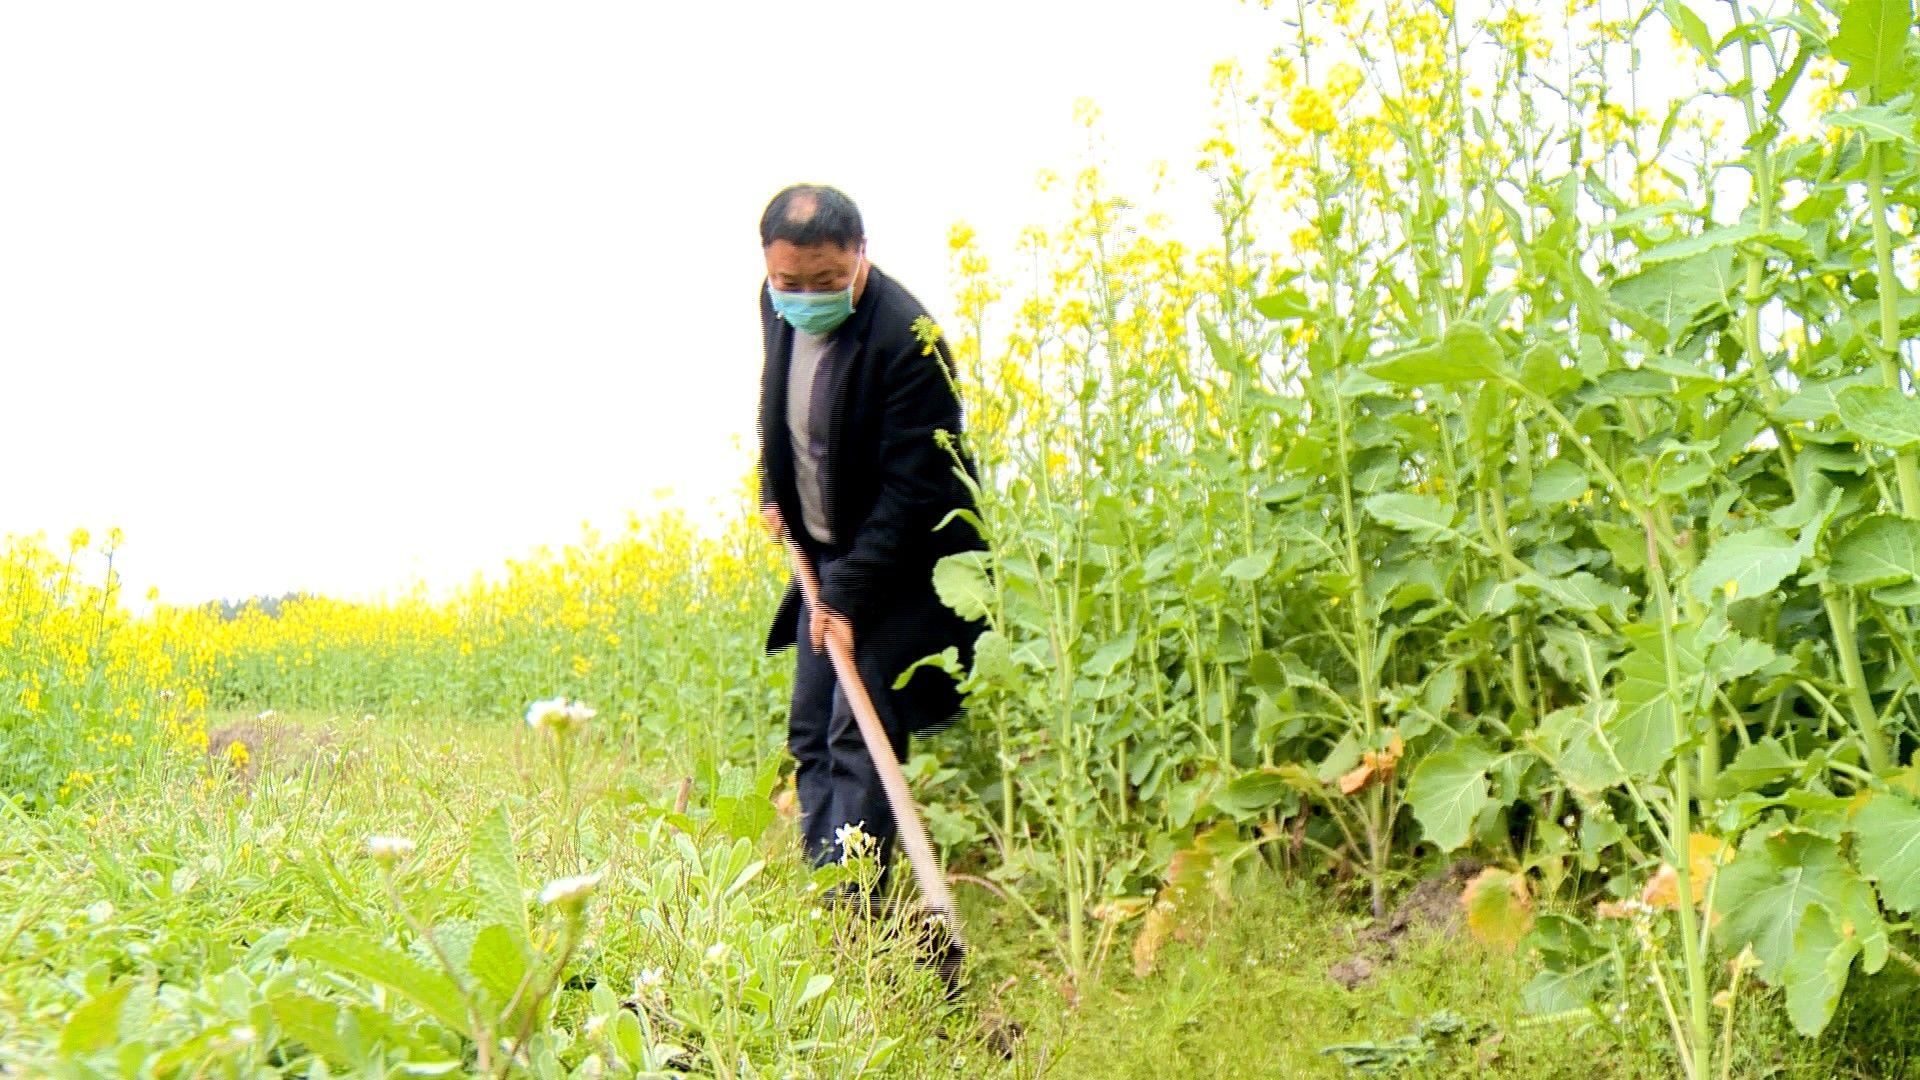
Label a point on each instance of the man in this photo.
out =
(850, 400)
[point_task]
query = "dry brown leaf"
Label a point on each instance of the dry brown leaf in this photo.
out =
(1357, 779)
(1703, 856)
(1153, 934)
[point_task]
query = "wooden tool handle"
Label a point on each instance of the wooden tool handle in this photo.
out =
(906, 817)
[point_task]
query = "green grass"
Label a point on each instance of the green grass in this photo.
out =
(190, 890)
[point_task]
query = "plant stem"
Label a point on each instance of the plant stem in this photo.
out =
(1888, 286)
(1679, 845)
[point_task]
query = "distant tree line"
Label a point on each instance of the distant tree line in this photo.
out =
(229, 610)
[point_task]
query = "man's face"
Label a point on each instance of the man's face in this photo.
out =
(822, 268)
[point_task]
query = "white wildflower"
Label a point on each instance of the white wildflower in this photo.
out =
(717, 952)
(387, 850)
(650, 980)
(570, 894)
(266, 714)
(558, 715)
(854, 841)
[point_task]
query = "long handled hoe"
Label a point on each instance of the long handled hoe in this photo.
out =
(938, 900)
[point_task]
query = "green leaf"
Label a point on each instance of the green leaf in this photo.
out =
(1757, 766)
(95, 1024)
(1250, 567)
(1553, 991)
(1577, 737)
(1872, 42)
(963, 585)
(1818, 400)
(1285, 304)
(498, 963)
(1108, 657)
(1817, 972)
(313, 1022)
(1691, 26)
(355, 953)
(1876, 123)
(1881, 550)
(1751, 563)
(1644, 732)
(1560, 481)
(495, 870)
(1466, 353)
(1448, 790)
(1880, 415)
(1713, 239)
(815, 986)
(1766, 891)
(1426, 517)
(1252, 793)
(1888, 843)
(1673, 292)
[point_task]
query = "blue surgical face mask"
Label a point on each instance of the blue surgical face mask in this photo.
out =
(815, 312)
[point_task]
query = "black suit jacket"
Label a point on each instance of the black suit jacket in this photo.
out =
(887, 483)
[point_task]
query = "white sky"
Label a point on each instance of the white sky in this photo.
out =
(334, 296)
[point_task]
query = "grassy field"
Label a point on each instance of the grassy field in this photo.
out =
(196, 896)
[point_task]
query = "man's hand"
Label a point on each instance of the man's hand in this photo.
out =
(828, 621)
(770, 517)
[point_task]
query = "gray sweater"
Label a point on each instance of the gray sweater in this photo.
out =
(809, 432)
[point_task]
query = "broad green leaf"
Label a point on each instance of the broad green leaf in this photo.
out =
(1581, 592)
(1876, 123)
(1764, 894)
(815, 986)
(1108, 657)
(1465, 353)
(496, 875)
(313, 1022)
(1672, 293)
(497, 963)
(1425, 517)
(1250, 567)
(1643, 732)
(1553, 991)
(355, 953)
(963, 585)
(1882, 550)
(1448, 790)
(1888, 843)
(1817, 972)
(1757, 766)
(1817, 400)
(1745, 565)
(1872, 42)
(1561, 481)
(1576, 736)
(1252, 793)
(95, 1024)
(1880, 415)
(1713, 239)
(1285, 304)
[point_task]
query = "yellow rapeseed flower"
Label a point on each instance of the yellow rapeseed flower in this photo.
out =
(1311, 110)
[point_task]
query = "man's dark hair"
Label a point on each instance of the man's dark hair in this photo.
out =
(807, 214)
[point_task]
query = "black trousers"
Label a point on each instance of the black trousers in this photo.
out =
(835, 778)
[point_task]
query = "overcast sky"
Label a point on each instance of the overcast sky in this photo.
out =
(334, 296)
